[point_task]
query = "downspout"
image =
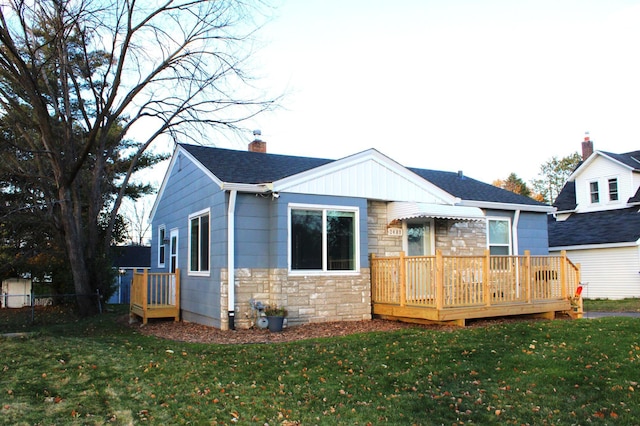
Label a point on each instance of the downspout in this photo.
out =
(231, 261)
(514, 231)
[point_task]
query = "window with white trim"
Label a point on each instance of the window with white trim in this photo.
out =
(499, 237)
(199, 242)
(613, 189)
(593, 190)
(162, 245)
(323, 239)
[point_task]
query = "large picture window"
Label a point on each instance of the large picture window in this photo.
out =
(499, 237)
(199, 242)
(323, 239)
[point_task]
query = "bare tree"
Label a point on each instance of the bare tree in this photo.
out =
(76, 76)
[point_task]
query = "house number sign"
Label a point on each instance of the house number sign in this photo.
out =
(396, 232)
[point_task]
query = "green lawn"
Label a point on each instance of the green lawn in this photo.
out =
(607, 305)
(97, 371)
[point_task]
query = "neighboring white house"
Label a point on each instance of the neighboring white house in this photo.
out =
(598, 222)
(16, 293)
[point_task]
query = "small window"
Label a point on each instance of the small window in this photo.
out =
(162, 245)
(593, 189)
(499, 237)
(613, 189)
(199, 242)
(323, 239)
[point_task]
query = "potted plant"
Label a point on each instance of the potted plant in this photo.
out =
(275, 315)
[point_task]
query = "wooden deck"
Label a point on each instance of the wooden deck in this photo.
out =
(456, 288)
(155, 295)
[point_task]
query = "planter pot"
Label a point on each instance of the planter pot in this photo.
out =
(275, 323)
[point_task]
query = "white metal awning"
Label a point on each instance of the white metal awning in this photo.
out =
(400, 210)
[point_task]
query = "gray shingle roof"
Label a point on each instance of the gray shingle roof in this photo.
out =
(467, 188)
(251, 167)
(631, 159)
(603, 227)
(235, 166)
(131, 256)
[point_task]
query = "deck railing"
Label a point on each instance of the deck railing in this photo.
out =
(155, 295)
(459, 281)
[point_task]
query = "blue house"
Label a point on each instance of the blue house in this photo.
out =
(247, 226)
(127, 259)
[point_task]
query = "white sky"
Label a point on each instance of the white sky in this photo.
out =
(487, 87)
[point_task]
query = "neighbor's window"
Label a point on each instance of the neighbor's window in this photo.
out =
(499, 237)
(613, 189)
(162, 245)
(199, 242)
(323, 239)
(593, 189)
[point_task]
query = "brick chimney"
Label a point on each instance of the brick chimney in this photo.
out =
(587, 147)
(257, 145)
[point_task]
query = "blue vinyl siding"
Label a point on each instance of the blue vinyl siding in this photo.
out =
(532, 230)
(191, 190)
(532, 233)
(280, 239)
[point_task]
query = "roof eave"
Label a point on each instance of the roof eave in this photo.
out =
(595, 246)
(508, 206)
(252, 188)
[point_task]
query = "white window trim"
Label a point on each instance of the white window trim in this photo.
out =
(502, 219)
(193, 216)
(323, 208)
(162, 261)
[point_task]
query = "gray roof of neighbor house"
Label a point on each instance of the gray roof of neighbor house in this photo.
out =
(235, 166)
(602, 227)
(131, 256)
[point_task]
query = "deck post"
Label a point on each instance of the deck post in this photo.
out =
(527, 275)
(486, 279)
(403, 280)
(372, 276)
(439, 280)
(563, 274)
(177, 295)
(145, 283)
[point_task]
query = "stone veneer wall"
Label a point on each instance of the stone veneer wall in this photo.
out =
(461, 238)
(308, 299)
(380, 242)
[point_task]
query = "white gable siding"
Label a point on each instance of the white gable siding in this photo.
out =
(611, 273)
(601, 169)
(367, 179)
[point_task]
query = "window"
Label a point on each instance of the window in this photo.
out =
(199, 242)
(323, 239)
(418, 239)
(499, 237)
(593, 189)
(162, 245)
(613, 189)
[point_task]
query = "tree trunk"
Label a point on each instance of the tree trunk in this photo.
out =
(75, 244)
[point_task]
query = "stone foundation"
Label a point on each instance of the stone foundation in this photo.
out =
(308, 298)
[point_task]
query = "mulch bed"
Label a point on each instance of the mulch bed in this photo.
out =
(197, 333)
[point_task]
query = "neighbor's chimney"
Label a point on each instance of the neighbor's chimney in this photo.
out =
(587, 147)
(257, 145)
